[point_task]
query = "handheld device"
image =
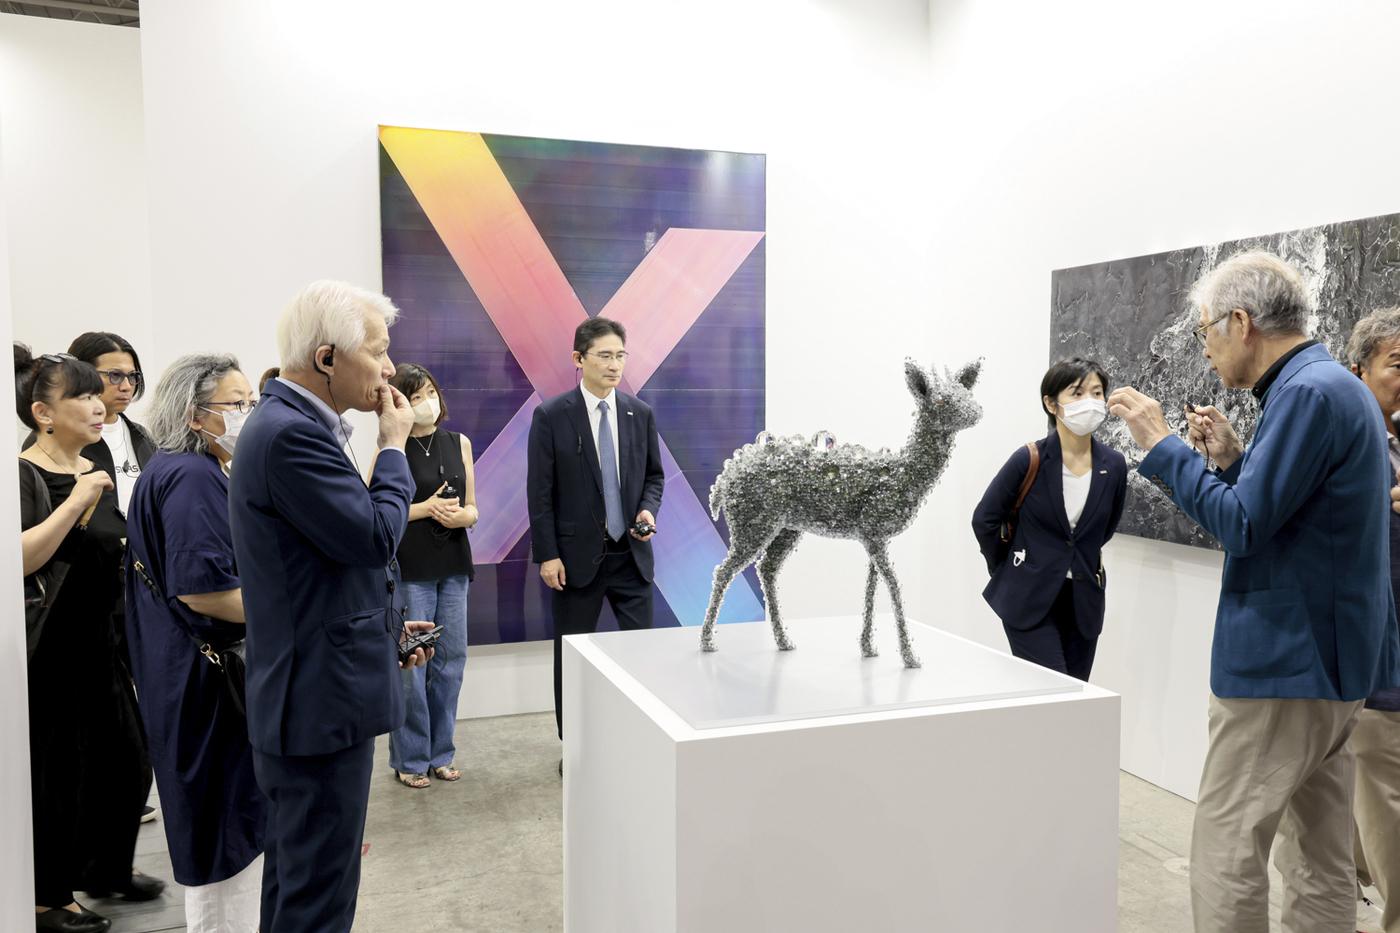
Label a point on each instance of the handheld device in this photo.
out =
(642, 529)
(421, 640)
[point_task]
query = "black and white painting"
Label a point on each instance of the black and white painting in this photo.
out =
(1131, 316)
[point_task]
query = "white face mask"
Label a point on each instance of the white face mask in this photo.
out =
(1084, 416)
(426, 412)
(233, 423)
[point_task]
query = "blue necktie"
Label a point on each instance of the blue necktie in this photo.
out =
(612, 488)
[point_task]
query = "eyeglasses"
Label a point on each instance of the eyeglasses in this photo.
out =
(242, 407)
(607, 356)
(116, 377)
(1200, 332)
(57, 357)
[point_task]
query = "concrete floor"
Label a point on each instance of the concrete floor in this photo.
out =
(484, 854)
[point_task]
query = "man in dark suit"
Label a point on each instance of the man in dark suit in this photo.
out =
(315, 549)
(594, 472)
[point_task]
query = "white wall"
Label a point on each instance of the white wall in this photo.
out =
(928, 167)
(16, 867)
(261, 124)
(73, 257)
(1077, 133)
(75, 147)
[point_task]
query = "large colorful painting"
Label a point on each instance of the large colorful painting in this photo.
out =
(1131, 315)
(496, 247)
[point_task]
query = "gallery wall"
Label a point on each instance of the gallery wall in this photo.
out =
(261, 124)
(1093, 131)
(928, 165)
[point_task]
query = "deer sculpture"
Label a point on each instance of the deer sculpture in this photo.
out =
(774, 490)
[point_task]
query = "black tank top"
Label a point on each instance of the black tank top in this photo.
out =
(429, 551)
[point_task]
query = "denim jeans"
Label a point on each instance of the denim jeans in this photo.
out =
(430, 693)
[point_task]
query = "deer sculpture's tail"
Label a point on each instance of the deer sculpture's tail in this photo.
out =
(717, 493)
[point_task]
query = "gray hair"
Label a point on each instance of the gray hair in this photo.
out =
(189, 383)
(1261, 284)
(1379, 327)
(328, 312)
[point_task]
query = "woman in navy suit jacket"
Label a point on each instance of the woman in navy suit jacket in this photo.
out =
(1048, 583)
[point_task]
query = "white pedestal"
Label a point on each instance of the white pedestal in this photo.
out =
(813, 790)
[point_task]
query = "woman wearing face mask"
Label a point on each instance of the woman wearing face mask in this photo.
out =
(87, 775)
(1047, 570)
(185, 594)
(435, 559)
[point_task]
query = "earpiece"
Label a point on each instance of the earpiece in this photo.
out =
(329, 359)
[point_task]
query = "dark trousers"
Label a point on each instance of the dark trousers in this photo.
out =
(1055, 641)
(315, 828)
(576, 610)
(89, 777)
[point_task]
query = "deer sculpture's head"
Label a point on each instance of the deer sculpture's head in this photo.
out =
(945, 402)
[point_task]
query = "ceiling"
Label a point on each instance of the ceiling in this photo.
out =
(106, 12)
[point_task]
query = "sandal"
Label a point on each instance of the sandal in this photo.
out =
(415, 781)
(447, 773)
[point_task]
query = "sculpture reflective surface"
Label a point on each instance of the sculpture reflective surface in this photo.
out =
(776, 489)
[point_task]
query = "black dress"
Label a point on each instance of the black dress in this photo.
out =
(88, 777)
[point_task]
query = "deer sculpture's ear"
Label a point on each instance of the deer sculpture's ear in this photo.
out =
(916, 379)
(967, 376)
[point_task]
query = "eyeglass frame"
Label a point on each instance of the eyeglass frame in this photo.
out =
(608, 356)
(242, 406)
(1199, 331)
(57, 357)
(115, 377)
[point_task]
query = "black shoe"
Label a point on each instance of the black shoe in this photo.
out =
(68, 922)
(148, 814)
(139, 888)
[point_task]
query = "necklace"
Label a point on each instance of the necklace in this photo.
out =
(428, 447)
(74, 469)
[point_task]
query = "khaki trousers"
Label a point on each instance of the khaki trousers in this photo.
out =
(1376, 743)
(1275, 766)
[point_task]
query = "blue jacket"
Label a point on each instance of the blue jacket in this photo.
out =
(1306, 608)
(1029, 574)
(315, 550)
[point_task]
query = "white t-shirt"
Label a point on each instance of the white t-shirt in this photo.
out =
(1076, 494)
(118, 439)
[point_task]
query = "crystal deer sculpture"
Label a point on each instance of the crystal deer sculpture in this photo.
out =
(774, 490)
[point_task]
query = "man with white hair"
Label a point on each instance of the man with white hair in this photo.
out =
(315, 547)
(1305, 628)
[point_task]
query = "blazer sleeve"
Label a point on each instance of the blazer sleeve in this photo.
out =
(996, 505)
(539, 488)
(655, 482)
(1120, 497)
(319, 493)
(1283, 467)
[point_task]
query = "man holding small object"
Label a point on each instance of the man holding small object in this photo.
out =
(315, 548)
(594, 487)
(1305, 628)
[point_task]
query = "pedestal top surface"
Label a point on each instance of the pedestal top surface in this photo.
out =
(748, 681)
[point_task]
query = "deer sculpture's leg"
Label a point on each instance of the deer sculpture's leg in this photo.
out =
(743, 550)
(867, 632)
(881, 560)
(774, 554)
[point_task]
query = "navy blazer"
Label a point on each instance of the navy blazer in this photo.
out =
(315, 550)
(1306, 607)
(564, 483)
(1028, 575)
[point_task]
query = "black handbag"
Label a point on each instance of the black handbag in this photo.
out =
(41, 587)
(228, 658)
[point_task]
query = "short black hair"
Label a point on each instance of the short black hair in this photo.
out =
(593, 328)
(89, 346)
(410, 377)
(1066, 373)
(48, 379)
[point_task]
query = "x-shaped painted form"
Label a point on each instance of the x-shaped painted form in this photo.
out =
(488, 232)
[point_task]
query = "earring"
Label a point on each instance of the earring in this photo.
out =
(48, 429)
